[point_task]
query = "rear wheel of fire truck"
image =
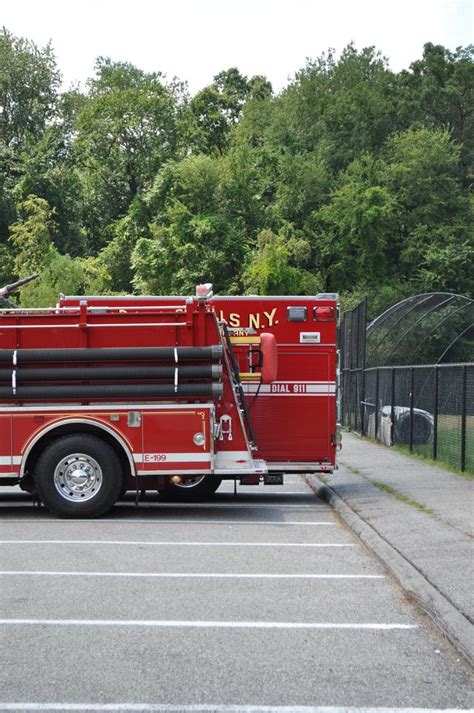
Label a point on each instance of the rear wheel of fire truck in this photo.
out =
(197, 488)
(79, 476)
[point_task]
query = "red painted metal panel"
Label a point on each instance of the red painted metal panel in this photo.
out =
(169, 440)
(28, 425)
(6, 463)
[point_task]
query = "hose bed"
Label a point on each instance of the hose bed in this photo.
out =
(22, 356)
(114, 373)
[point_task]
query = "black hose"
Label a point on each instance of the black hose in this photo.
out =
(101, 391)
(114, 373)
(22, 356)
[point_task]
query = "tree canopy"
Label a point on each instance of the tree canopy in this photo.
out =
(353, 178)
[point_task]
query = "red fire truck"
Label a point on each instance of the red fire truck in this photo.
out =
(100, 395)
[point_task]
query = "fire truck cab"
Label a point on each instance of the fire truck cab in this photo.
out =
(100, 395)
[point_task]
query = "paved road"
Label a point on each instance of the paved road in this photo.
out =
(260, 600)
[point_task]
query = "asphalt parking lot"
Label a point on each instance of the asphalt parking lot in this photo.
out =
(264, 599)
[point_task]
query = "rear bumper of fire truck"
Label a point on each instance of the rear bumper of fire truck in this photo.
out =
(293, 467)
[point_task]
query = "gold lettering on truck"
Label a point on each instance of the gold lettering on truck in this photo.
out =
(255, 320)
(270, 316)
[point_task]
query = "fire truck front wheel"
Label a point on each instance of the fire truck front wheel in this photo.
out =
(197, 488)
(78, 476)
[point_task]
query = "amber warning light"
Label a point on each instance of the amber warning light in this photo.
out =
(323, 314)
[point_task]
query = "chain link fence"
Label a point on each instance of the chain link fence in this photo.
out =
(429, 409)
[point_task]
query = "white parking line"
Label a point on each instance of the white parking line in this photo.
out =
(212, 708)
(144, 543)
(156, 506)
(193, 521)
(185, 575)
(213, 506)
(185, 624)
(229, 491)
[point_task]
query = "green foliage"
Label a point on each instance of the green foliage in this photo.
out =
(32, 235)
(29, 81)
(32, 240)
(356, 228)
(49, 172)
(59, 273)
(217, 108)
(439, 91)
(353, 179)
(270, 270)
(180, 255)
(125, 131)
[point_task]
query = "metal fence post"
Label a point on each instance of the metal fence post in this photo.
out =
(392, 409)
(435, 413)
(362, 341)
(377, 386)
(464, 418)
(412, 399)
(350, 399)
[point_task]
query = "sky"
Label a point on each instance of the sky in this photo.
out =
(194, 40)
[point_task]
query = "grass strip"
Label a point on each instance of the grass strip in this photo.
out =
(440, 463)
(402, 498)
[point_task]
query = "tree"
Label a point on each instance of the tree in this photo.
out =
(438, 92)
(352, 179)
(32, 240)
(49, 172)
(217, 108)
(61, 274)
(29, 81)
(9, 169)
(345, 106)
(433, 214)
(126, 131)
(422, 170)
(354, 229)
(115, 260)
(189, 236)
(189, 251)
(269, 270)
(32, 235)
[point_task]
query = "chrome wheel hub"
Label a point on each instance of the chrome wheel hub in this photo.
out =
(191, 482)
(78, 477)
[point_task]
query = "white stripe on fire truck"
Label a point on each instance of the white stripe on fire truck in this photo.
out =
(306, 381)
(101, 407)
(283, 394)
(9, 460)
(172, 458)
(305, 388)
(191, 471)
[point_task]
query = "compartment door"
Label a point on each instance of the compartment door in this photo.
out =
(177, 441)
(7, 466)
(293, 416)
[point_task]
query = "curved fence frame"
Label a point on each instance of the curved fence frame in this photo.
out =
(426, 408)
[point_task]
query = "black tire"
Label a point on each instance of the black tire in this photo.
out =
(79, 476)
(202, 490)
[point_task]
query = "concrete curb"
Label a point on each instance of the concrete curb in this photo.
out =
(447, 619)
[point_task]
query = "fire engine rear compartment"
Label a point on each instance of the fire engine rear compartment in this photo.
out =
(171, 405)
